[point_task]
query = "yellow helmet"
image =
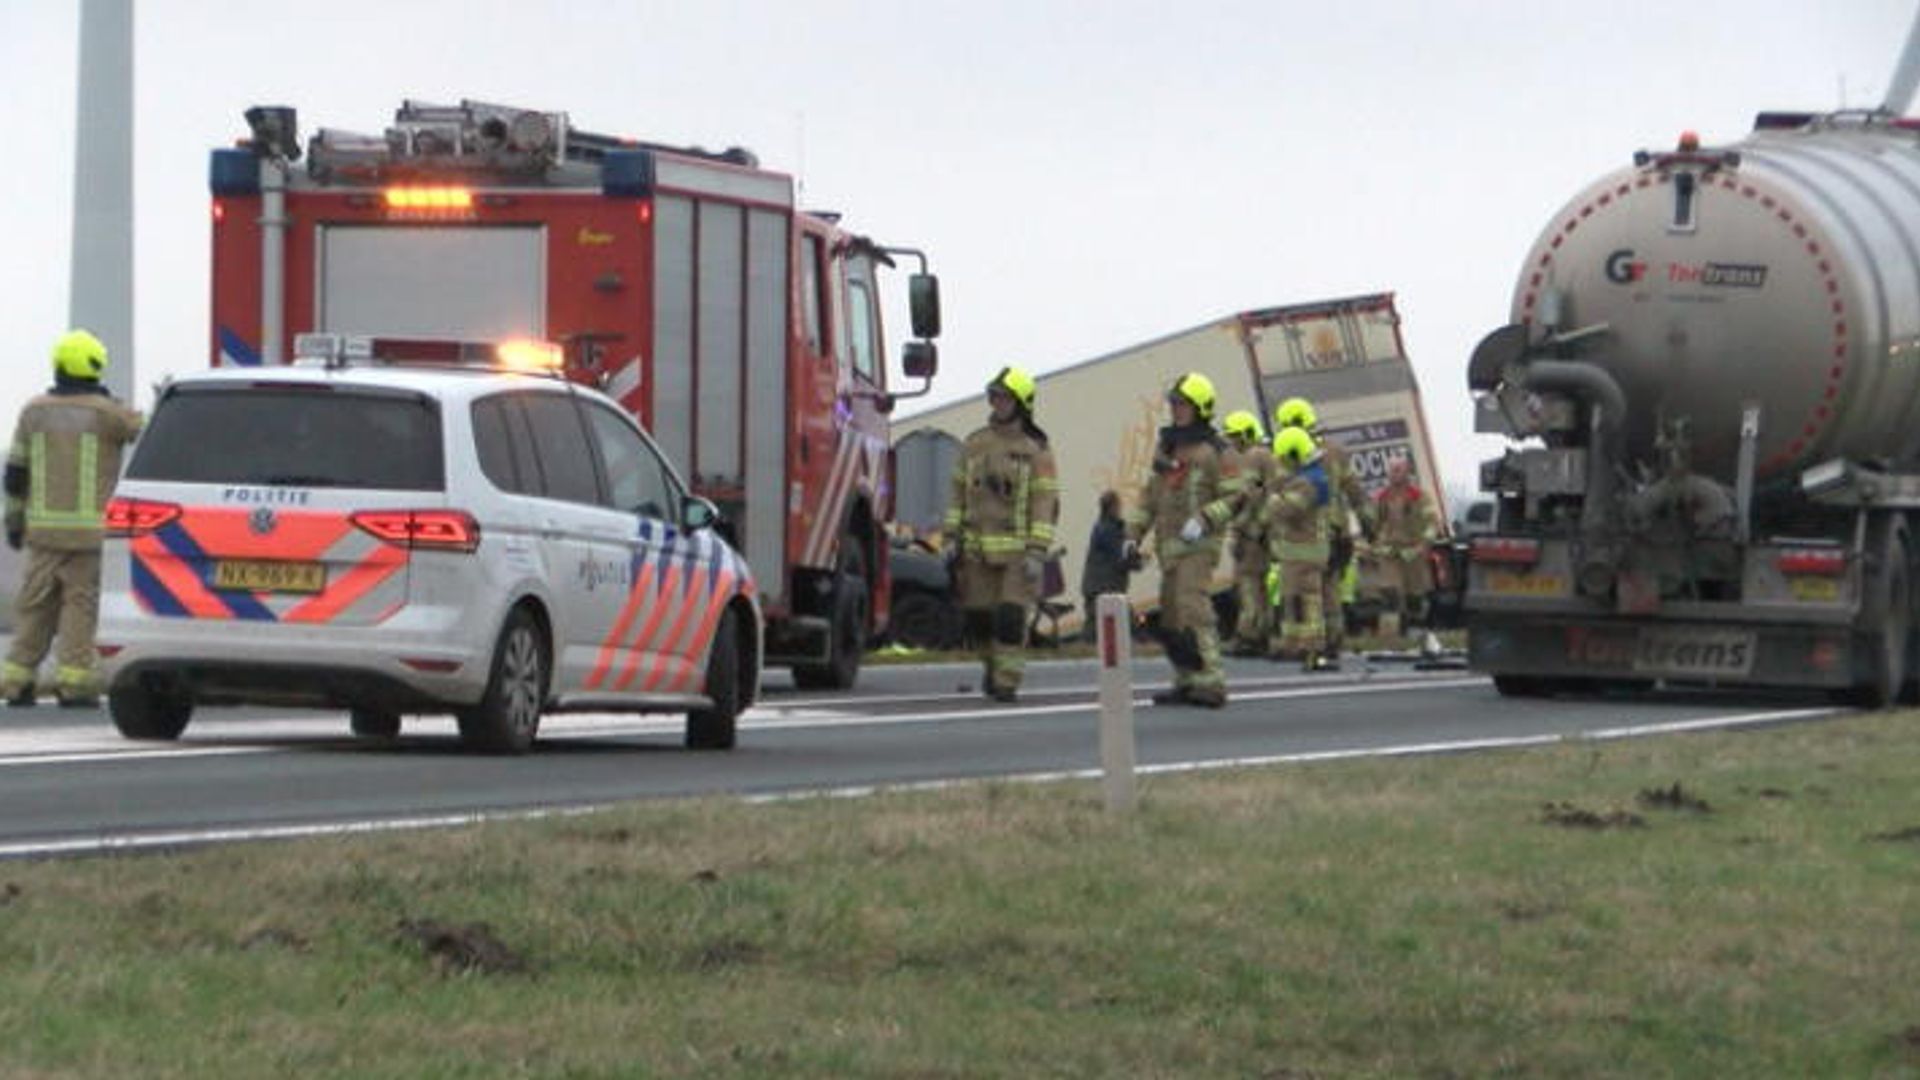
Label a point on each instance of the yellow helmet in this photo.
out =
(1195, 389)
(1016, 382)
(79, 355)
(1294, 446)
(1295, 412)
(1243, 424)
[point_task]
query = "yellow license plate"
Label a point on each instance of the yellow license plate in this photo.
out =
(1814, 588)
(264, 575)
(1507, 583)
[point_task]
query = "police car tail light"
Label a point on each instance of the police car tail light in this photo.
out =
(1827, 562)
(137, 517)
(440, 530)
(1505, 550)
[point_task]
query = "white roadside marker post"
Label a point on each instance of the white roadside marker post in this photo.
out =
(1115, 619)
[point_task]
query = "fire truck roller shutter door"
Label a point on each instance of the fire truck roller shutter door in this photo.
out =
(672, 390)
(766, 402)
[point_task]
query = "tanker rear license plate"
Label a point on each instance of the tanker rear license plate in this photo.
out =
(265, 575)
(1814, 588)
(1508, 583)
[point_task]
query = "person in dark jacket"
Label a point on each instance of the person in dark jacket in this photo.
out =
(1107, 568)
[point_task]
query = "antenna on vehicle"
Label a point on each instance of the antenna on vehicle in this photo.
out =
(1906, 74)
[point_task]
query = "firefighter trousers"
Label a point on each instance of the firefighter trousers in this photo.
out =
(1187, 624)
(1253, 618)
(1302, 630)
(996, 600)
(59, 598)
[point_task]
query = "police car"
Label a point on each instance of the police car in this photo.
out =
(395, 527)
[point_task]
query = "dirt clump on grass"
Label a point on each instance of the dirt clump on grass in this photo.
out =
(1909, 834)
(1569, 816)
(470, 948)
(1673, 798)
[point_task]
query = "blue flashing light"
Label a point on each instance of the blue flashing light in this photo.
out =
(627, 173)
(234, 172)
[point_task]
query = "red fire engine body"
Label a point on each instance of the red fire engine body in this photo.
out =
(744, 334)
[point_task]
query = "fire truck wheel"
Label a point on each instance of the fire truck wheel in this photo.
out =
(150, 707)
(508, 716)
(715, 728)
(374, 723)
(849, 625)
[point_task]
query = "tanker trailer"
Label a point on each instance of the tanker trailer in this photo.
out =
(1711, 382)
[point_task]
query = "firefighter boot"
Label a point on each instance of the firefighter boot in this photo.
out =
(1172, 695)
(74, 687)
(16, 684)
(1209, 697)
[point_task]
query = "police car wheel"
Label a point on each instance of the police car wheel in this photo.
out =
(150, 707)
(508, 716)
(374, 723)
(716, 728)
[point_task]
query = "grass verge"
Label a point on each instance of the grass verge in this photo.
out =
(1703, 905)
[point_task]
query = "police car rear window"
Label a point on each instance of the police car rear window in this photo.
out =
(309, 436)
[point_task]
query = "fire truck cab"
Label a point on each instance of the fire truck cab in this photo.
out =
(743, 333)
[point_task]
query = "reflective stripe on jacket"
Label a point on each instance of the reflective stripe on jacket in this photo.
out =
(1005, 496)
(69, 446)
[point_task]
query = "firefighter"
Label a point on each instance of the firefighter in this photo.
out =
(1000, 521)
(1296, 512)
(1404, 526)
(1188, 500)
(1253, 460)
(1349, 507)
(62, 466)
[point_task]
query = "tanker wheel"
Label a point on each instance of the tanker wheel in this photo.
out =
(1887, 644)
(849, 624)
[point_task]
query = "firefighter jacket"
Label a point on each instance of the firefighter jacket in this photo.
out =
(1403, 521)
(1005, 498)
(63, 464)
(1296, 515)
(1191, 478)
(1347, 494)
(1258, 471)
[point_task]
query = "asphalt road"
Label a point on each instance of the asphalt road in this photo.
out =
(70, 784)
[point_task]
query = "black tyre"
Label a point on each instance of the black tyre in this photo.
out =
(715, 728)
(849, 637)
(150, 707)
(374, 723)
(1525, 686)
(1889, 623)
(508, 716)
(923, 620)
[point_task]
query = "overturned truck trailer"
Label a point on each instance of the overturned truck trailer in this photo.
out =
(1712, 380)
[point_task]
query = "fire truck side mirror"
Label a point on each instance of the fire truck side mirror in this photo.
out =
(920, 359)
(923, 300)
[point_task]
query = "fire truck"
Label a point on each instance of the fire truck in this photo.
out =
(742, 332)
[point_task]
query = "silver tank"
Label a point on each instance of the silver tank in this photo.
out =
(1783, 269)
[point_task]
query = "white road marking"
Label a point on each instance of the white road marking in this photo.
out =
(98, 844)
(47, 745)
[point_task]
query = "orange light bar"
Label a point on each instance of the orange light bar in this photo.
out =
(432, 199)
(526, 354)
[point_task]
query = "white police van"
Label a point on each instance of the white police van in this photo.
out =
(395, 527)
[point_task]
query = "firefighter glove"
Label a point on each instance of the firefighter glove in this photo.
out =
(1130, 554)
(1193, 530)
(1036, 568)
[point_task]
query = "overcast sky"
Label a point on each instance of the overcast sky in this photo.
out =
(1084, 175)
